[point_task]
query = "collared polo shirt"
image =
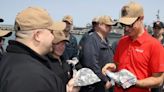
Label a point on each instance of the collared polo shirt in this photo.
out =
(142, 57)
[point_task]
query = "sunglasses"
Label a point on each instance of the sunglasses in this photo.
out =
(130, 26)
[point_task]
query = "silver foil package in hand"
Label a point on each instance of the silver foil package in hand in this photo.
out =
(85, 76)
(123, 78)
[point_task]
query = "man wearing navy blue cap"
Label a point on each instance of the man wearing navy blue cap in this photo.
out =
(158, 29)
(158, 33)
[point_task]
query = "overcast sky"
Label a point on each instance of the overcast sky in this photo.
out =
(82, 10)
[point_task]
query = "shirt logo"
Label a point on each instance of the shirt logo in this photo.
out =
(139, 50)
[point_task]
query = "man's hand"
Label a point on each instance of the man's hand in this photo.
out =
(108, 85)
(108, 67)
(70, 86)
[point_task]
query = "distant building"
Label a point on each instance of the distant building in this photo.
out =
(6, 27)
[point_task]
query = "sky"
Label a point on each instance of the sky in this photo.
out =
(82, 11)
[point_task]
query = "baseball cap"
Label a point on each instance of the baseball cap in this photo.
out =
(95, 19)
(68, 19)
(158, 24)
(59, 33)
(130, 13)
(106, 20)
(58, 26)
(33, 18)
(5, 33)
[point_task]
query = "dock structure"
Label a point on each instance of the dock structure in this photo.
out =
(6, 27)
(75, 30)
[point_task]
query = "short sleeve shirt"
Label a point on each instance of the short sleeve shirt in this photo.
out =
(142, 57)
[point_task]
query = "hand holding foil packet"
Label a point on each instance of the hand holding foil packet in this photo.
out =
(74, 61)
(123, 78)
(85, 76)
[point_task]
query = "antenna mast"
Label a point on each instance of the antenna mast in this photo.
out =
(158, 17)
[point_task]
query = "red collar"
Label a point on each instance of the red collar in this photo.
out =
(144, 37)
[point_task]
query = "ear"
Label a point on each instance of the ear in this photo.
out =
(142, 18)
(37, 35)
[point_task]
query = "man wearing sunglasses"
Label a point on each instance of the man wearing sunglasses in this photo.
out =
(138, 52)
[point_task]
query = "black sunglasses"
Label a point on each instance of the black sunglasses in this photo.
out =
(123, 25)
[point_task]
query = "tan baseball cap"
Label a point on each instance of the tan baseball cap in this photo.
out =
(130, 13)
(5, 33)
(106, 20)
(59, 35)
(33, 18)
(58, 25)
(95, 19)
(68, 19)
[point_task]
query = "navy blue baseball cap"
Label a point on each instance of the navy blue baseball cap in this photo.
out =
(1, 20)
(158, 24)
